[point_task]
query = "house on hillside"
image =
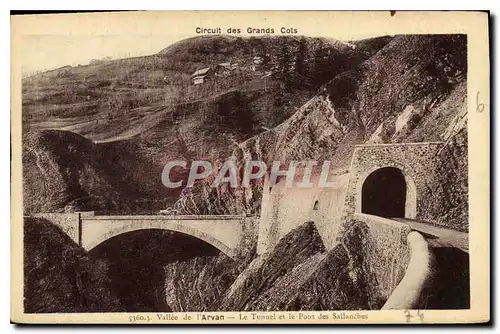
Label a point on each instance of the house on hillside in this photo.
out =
(257, 62)
(223, 69)
(202, 75)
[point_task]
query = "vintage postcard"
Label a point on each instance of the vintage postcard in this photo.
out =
(251, 167)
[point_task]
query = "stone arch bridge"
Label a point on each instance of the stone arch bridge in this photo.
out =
(224, 232)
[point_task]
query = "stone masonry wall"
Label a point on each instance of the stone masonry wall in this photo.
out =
(385, 254)
(285, 208)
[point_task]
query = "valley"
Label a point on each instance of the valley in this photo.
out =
(96, 138)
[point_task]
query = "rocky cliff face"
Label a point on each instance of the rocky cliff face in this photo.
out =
(203, 198)
(201, 283)
(448, 198)
(261, 275)
(198, 284)
(411, 90)
(299, 274)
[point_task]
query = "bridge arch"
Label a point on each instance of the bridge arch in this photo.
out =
(201, 236)
(410, 190)
(91, 240)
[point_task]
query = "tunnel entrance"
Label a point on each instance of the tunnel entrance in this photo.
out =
(384, 193)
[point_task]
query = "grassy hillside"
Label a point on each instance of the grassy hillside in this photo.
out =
(96, 99)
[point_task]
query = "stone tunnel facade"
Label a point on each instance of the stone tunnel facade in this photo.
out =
(284, 209)
(416, 161)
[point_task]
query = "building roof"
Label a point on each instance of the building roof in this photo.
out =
(202, 71)
(258, 60)
(226, 65)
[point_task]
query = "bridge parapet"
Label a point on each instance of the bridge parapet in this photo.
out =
(69, 222)
(373, 221)
(225, 232)
(163, 217)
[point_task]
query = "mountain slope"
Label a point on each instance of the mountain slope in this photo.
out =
(60, 277)
(139, 113)
(413, 89)
(63, 171)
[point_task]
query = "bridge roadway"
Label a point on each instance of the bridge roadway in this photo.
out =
(435, 235)
(438, 236)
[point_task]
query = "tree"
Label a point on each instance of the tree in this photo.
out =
(300, 59)
(280, 103)
(245, 118)
(284, 66)
(301, 77)
(320, 64)
(266, 61)
(215, 46)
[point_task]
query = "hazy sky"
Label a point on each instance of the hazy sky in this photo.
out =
(52, 51)
(51, 41)
(48, 52)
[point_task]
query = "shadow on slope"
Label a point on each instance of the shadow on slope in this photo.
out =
(63, 171)
(59, 277)
(162, 271)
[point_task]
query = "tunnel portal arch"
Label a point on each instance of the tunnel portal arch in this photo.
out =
(384, 193)
(387, 191)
